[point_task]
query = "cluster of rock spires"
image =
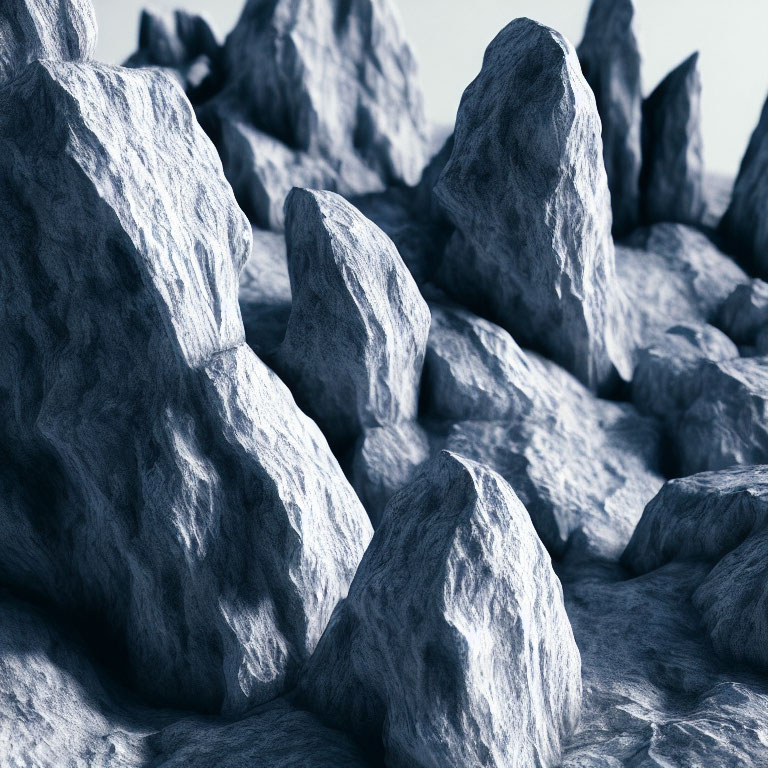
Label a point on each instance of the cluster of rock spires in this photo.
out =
(306, 453)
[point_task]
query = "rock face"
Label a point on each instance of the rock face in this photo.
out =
(453, 643)
(63, 30)
(530, 120)
(610, 61)
(745, 312)
(158, 481)
(673, 161)
(181, 43)
(333, 81)
(745, 224)
(355, 343)
(720, 518)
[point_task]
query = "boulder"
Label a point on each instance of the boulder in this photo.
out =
(745, 312)
(182, 43)
(673, 160)
(158, 482)
(610, 61)
(745, 223)
(31, 30)
(529, 120)
(354, 347)
(453, 646)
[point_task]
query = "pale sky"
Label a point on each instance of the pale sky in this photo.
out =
(450, 36)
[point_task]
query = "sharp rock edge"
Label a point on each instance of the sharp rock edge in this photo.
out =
(529, 119)
(61, 30)
(157, 479)
(610, 61)
(453, 646)
(673, 161)
(334, 82)
(354, 348)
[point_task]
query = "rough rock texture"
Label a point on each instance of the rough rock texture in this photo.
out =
(610, 61)
(523, 415)
(745, 312)
(158, 481)
(181, 43)
(529, 120)
(720, 518)
(453, 643)
(63, 30)
(654, 692)
(384, 461)
(356, 337)
(673, 160)
(335, 82)
(745, 223)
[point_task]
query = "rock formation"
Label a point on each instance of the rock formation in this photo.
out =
(158, 481)
(745, 224)
(453, 646)
(673, 162)
(63, 30)
(356, 337)
(530, 120)
(610, 61)
(745, 312)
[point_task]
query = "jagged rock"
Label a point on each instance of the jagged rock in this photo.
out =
(667, 375)
(529, 120)
(63, 30)
(671, 274)
(181, 43)
(336, 84)
(745, 312)
(453, 646)
(673, 161)
(384, 461)
(719, 518)
(265, 293)
(158, 482)
(354, 347)
(745, 223)
(654, 691)
(610, 61)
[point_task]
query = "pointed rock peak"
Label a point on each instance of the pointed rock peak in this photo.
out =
(534, 248)
(608, 22)
(172, 38)
(357, 335)
(62, 30)
(453, 647)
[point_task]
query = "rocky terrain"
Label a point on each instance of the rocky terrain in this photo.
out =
(326, 445)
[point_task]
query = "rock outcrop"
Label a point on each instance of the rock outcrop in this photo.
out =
(610, 61)
(673, 160)
(335, 83)
(745, 312)
(530, 121)
(357, 334)
(453, 646)
(158, 481)
(745, 223)
(181, 43)
(61, 30)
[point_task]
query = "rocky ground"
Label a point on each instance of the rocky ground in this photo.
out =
(325, 447)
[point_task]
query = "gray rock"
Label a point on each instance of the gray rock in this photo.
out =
(30, 30)
(654, 691)
(158, 482)
(719, 518)
(334, 83)
(745, 312)
(182, 43)
(610, 61)
(453, 643)
(745, 223)
(356, 337)
(384, 461)
(673, 160)
(530, 121)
